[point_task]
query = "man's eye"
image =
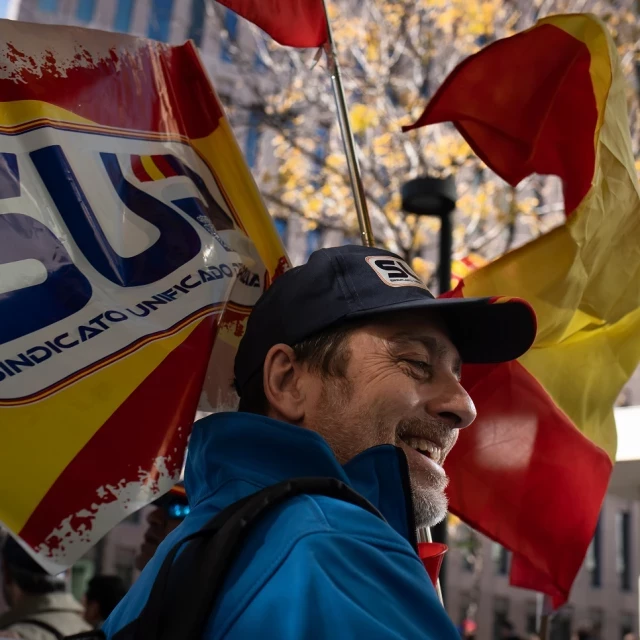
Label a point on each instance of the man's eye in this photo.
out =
(423, 367)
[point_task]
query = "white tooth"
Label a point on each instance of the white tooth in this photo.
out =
(421, 444)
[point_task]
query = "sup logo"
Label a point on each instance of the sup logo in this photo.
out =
(394, 272)
(109, 241)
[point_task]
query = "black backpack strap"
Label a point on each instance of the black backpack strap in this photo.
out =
(43, 625)
(180, 608)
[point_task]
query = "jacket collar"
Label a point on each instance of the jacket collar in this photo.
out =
(260, 451)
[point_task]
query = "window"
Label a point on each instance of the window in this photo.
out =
(627, 623)
(465, 602)
(623, 549)
(85, 10)
(500, 559)
(122, 18)
(467, 563)
(392, 95)
(196, 28)
(160, 19)
(596, 621)
(258, 63)
(470, 545)
(320, 152)
(531, 617)
(594, 555)
(252, 143)
(231, 27)
(124, 563)
(560, 627)
(425, 87)
(282, 227)
(314, 238)
(500, 615)
(48, 6)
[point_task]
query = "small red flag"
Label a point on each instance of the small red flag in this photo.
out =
(294, 23)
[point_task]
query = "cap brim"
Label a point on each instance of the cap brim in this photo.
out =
(484, 330)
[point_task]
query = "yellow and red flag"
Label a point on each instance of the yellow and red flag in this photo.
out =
(533, 471)
(133, 245)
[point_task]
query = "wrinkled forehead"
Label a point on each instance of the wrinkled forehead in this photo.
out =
(409, 324)
(425, 328)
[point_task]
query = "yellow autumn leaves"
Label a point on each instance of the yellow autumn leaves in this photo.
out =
(394, 55)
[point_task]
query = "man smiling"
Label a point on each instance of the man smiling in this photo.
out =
(349, 369)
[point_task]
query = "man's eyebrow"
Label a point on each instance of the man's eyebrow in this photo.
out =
(434, 346)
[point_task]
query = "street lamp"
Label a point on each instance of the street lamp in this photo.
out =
(435, 197)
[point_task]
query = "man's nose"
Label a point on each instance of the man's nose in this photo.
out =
(452, 404)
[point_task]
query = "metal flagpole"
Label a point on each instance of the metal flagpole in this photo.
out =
(364, 222)
(438, 587)
(366, 234)
(543, 608)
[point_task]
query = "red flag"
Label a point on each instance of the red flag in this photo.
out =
(294, 23)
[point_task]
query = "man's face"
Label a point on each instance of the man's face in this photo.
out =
(160, 526)
(402, 388)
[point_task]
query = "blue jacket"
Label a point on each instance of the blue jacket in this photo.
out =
(315, 567)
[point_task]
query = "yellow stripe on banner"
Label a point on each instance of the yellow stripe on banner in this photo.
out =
(151, 169)
(20, 111)
(222, 154)
(82, 408)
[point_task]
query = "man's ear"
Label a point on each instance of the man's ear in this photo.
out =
(283, 385)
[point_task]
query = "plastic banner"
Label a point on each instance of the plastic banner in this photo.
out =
(133, 244)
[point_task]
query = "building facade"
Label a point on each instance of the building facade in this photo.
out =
(604, 596)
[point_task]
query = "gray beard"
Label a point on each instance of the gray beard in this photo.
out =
(429, 506)
(429, 503)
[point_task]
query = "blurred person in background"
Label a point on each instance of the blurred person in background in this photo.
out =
(40, 607)
(101, 598)
(170, 510)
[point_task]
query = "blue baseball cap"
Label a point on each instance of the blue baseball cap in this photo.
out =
(353, 282)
